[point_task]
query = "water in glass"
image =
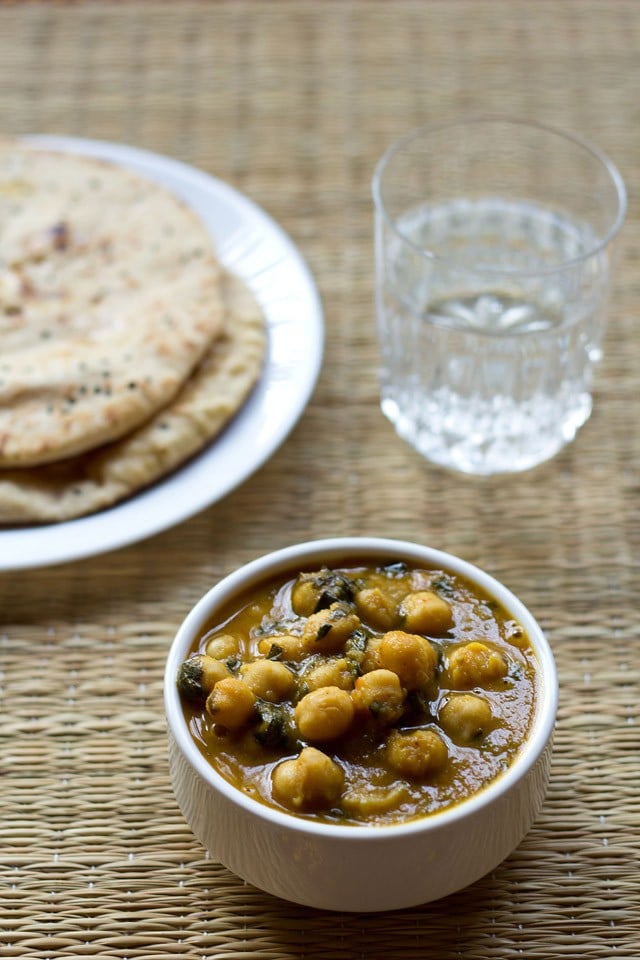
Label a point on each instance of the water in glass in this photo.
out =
(488, 344)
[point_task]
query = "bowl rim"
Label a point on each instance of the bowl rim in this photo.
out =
(286, 558)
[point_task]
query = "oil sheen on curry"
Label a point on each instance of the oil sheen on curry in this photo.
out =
(361, 694)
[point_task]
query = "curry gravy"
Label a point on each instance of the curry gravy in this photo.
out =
(361, 694)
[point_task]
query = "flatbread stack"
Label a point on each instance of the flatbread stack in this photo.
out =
(125, 346)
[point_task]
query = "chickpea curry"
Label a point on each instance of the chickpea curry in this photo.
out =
(361, 694)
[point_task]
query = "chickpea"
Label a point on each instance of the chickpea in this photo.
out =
(199, 674)
(268, 679)
(316, 591)
(336, 672)
(328, 630)
(376, 608)
(290, 645)
(466, 717)
(231, 703)
(416, 754)
(371, 659)
(304, 597)
(425, 612)
(410, 656)
(324, 714)
(475, 664)
(366, 801)
(311, 781)
(223, 646)
(379, 694)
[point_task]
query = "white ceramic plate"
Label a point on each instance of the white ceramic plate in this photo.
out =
(254, 247)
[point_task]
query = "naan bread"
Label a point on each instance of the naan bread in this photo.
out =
(109, 298)
(209, 399)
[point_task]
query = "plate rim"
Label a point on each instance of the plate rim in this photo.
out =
(45, 545)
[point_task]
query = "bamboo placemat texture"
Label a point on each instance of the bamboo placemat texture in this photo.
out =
(292, 103)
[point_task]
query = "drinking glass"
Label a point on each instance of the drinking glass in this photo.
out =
(493, 260)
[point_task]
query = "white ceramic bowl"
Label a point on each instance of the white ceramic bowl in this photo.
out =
(358, 868)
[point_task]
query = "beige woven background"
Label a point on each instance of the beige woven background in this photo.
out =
(292, 102)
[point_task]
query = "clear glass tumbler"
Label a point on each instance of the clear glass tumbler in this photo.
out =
(493, 259)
